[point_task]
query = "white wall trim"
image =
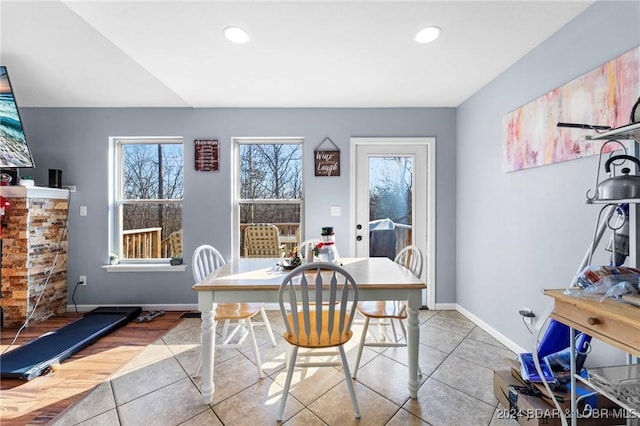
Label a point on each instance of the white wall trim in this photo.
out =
(446, 307)
(429, 142)
(492, 331)
(145, 267)
(154, 307)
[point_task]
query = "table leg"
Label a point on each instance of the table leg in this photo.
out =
(207, 347)
(413, 341)
(572, 363)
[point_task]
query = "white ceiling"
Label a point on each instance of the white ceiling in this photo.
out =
(302, 54)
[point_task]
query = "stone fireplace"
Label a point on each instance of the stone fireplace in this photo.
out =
(34, 254)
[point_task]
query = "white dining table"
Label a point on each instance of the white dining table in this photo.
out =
(258, 280)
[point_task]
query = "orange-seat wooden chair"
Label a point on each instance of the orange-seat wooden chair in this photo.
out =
(317, 302)
(206, 259)
(386, 312)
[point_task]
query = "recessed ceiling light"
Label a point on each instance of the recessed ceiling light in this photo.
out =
(427, 35)
(236, 35)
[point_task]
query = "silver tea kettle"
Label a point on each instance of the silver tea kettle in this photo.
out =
(621, 187)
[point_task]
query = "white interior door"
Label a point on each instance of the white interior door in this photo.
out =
(393, 187)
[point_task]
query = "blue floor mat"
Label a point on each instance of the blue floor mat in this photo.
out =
(36, 357)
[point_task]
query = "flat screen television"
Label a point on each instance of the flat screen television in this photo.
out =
(14, 151)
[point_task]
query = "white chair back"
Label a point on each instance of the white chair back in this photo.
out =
(206, 259)
(411, 258)
(318, 303)
(304, 246)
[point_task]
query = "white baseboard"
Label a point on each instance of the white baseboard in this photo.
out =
(155, 307)
(492, 331)
(446, 307)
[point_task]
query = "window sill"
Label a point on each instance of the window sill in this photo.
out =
(141, 267)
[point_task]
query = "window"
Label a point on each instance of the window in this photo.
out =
(148, 189)
(269, 176)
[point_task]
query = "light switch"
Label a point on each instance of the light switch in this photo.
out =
(336, 211)
(83, 210)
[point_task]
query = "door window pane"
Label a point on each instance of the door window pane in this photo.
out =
(390, 205)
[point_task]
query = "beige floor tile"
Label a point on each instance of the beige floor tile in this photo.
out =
(184, 335)
(272, 357)
(232, 376)
(187, 355)
(429, 358)
(256, 405)
(304, 418)
(404, 418)
(468, 377)
(439, 338)
(308, 384)
(440, 404)
(387, 377)
(105, 419)
(98, 402)
(452, 321)
(153, 353)
(335, 407)
(484, 354)
(425, 314)
(206, 418)
(149, 388)
(170, 405)
(481, 335)
(136, 383)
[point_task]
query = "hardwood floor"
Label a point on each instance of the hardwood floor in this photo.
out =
(40, 400)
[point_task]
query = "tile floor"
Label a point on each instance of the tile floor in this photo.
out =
(159, 387)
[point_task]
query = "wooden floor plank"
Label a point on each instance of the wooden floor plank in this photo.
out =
(40, 400)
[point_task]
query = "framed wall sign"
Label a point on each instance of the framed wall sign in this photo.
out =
(326, 162)
(207, 155)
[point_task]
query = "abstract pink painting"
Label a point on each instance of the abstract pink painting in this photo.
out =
(603, 96)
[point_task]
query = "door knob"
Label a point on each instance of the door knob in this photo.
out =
(358, 226)
(359, 238)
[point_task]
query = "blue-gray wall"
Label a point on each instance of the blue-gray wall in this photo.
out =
(75, 140)
(519, 233)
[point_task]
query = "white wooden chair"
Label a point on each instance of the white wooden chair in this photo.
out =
(323, 330)
(387, 312)
(206, 259)
(304, 246)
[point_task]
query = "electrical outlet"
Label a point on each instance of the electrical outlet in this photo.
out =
(528, 315)
(83, 280)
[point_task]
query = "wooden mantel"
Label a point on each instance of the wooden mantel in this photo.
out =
(33, 240)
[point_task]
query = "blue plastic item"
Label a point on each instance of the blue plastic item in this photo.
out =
(555, 339)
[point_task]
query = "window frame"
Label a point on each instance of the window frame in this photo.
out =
(117, 202)
(237, 184)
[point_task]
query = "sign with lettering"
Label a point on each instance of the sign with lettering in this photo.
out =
(327, 163)
(207, 155)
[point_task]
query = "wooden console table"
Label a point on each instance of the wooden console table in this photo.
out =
(613, 322)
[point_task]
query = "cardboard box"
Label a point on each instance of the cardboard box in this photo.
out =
(564, 398)
(535, 411)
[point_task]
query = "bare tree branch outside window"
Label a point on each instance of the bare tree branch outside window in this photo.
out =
(271, 187)
(151, 173)
(270, 172)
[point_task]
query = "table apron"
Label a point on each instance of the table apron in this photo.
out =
(206, 298)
